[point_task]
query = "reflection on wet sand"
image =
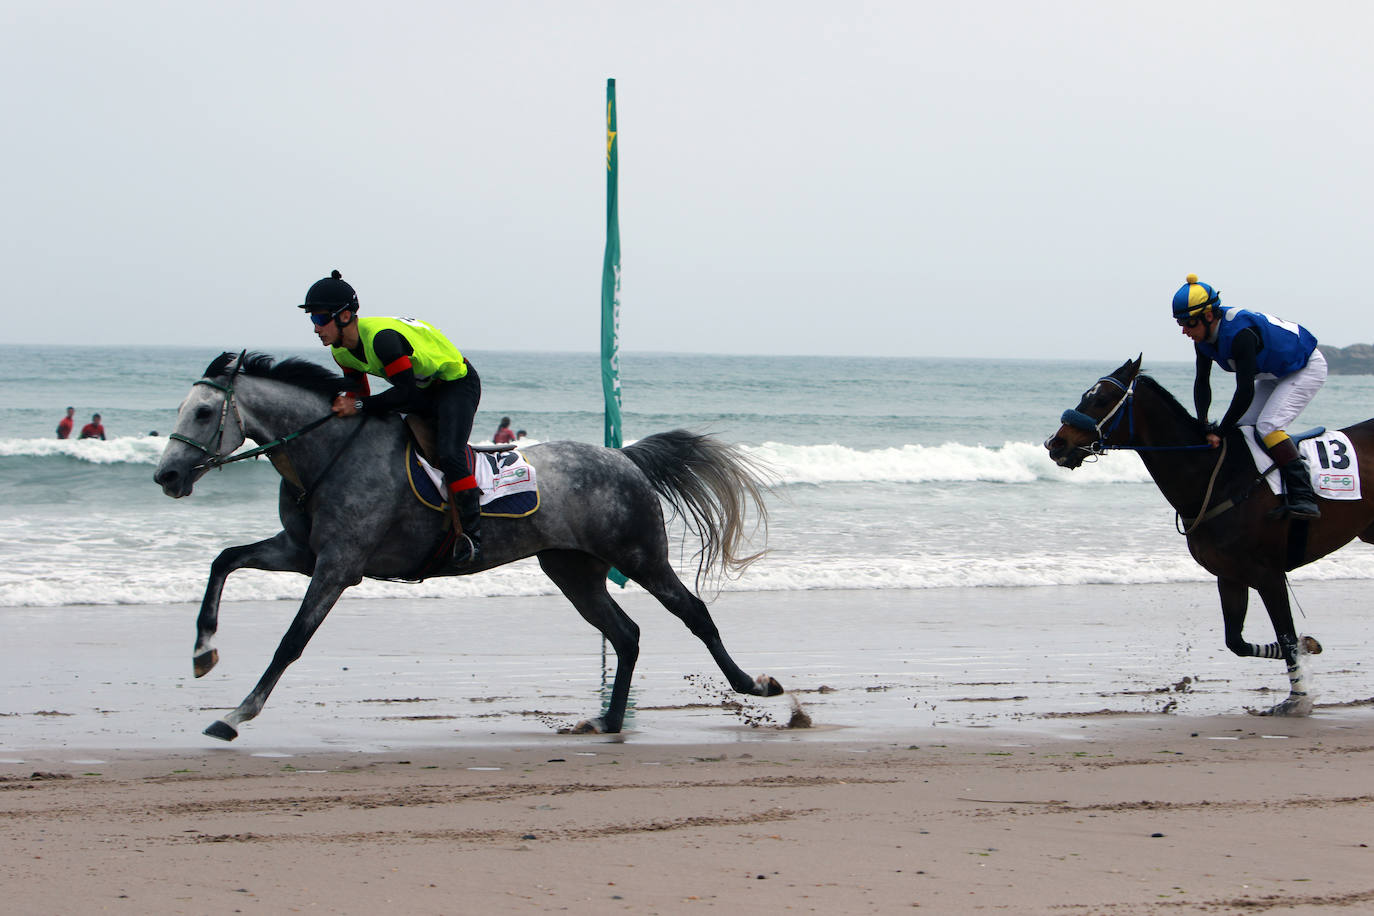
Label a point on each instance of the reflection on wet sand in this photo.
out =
(857, 664)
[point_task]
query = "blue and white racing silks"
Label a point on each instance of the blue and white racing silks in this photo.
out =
(1285, 348)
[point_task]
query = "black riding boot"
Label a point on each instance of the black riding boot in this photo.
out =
(1299, 501)
(464, 509)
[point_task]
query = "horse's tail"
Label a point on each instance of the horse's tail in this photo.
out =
(715, 487)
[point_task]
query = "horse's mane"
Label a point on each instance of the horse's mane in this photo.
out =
(1181, 413)
(293, 371)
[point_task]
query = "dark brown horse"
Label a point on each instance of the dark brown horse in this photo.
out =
(1222, 504)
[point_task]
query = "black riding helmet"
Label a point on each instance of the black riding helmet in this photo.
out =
(331, 295)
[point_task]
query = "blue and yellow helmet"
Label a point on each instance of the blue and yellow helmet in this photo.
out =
(1192, 297)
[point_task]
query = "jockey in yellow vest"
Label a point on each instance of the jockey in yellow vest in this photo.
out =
(428, 376)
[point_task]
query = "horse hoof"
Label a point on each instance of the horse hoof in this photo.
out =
(1310, 645)
(585, 727)
(1298, 706)
(765, 686)
(203, 662)
(222, 730)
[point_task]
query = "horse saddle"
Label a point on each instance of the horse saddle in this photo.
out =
(1330, 456)
(504, 475)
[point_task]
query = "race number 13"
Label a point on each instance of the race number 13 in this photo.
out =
(1337, 459)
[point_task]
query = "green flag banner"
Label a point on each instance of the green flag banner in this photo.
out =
(610, 283)
(610, 293)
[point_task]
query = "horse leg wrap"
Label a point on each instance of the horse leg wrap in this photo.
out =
(1297, 683)
(1270, 651)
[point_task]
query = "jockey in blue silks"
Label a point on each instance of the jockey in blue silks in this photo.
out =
(1278, 369)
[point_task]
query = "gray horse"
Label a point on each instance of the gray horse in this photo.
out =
(347, 513)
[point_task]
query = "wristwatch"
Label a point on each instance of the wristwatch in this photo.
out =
(358, 405)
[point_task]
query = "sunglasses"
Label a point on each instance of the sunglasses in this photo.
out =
(320, 319)
(1182, 322)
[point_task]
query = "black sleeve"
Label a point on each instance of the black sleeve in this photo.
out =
(1202, 385)
(394, 351)
(1244, 354)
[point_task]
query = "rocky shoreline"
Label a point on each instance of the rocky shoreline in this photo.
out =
(1356, 359)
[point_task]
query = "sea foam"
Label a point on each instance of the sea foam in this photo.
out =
(124, 450)
(184, 583)
(1012, 462)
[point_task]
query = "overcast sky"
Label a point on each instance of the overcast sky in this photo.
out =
(1000, 179)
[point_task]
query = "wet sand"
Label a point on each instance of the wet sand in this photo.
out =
(1018, 750)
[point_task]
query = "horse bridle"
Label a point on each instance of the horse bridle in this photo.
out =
(216, 459)
(1077, 419)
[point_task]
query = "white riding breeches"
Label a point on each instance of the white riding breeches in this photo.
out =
(1278, 401)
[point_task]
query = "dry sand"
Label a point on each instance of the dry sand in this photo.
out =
(1140, 814)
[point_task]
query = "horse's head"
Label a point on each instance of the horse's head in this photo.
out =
(208, 428)
(1092, 424)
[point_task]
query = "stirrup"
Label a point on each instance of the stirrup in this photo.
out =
(465, 550)
(1286, 509)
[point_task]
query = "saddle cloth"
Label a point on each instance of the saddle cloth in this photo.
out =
(507, 481)
(1331, 461)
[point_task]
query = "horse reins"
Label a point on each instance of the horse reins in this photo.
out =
(1079, 420)
(306, 491)
(288, 471)
(1204, 515)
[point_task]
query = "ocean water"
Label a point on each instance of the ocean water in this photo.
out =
(890, 473)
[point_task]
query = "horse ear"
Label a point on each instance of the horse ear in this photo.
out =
(1135, 368)
(238, 366)
(1127, 370)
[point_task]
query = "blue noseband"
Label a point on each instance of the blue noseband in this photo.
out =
(1104, 428)
(1078, 420)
